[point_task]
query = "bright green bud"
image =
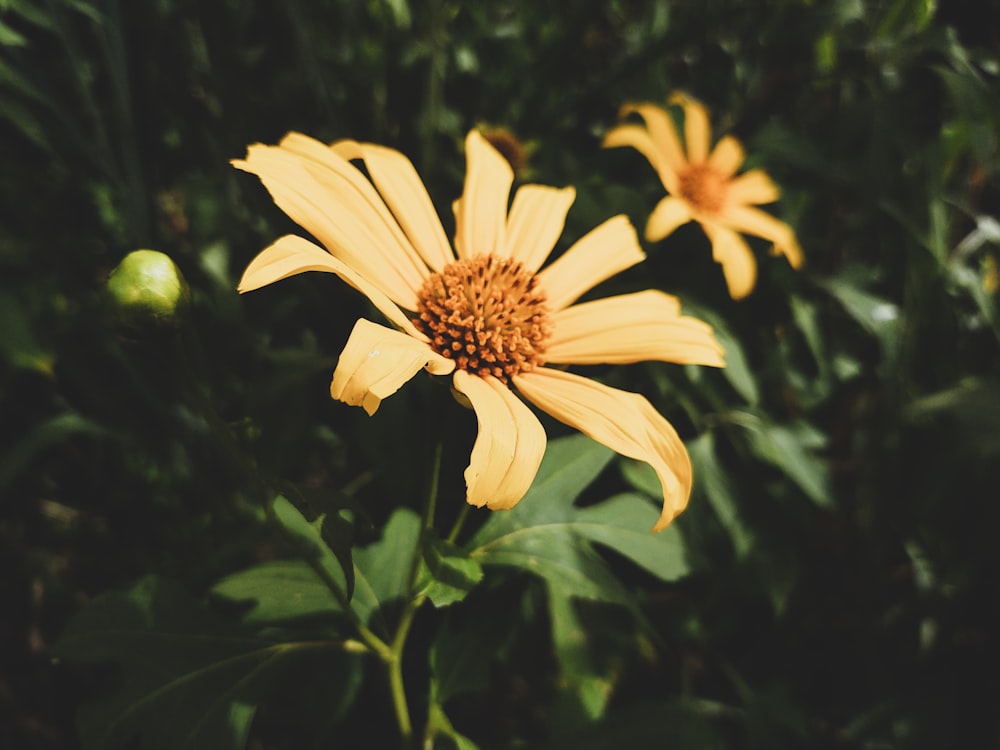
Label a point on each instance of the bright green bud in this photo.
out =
(147, 291)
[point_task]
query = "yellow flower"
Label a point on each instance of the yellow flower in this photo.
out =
(482, 312)
(702, 186)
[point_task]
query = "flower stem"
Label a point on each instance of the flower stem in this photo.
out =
(394, 662)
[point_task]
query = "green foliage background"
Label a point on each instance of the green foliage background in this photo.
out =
(834, 581)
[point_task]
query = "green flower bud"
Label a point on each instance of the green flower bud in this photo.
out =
(148, 292)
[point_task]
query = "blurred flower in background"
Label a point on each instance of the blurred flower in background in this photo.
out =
(702, 186)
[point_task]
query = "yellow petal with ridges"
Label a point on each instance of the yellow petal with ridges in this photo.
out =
(353, 189)
(668, 214)
(290, 255)
(481, 212)
(377, 361)
(628, 328)
(625, 422)
(329, 207)
(536, 220)
(731, 251)
(598, 255)
(509, 445)
(404, 192)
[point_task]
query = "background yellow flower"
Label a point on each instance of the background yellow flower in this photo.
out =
(703, 186)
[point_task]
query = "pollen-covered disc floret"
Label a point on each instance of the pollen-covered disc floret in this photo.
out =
(703, 187)
(486, 313)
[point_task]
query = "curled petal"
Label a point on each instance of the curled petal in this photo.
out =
(376, 361)
(403, 191)
(598, 255)
(625, 422)
(291, 254)
(509, 445)
(631, 328)
(727, 156)
(669, 214)
(753, 187)
(536, 220)
(697, 131)
(731, 251)
(754, 221)
(481, 212)
(330, 198)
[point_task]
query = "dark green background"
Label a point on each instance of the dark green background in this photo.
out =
(841, 538)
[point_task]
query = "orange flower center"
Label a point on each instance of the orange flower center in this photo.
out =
(703, 187)
(487, 314)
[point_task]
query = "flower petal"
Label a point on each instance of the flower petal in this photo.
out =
(754, 221)
(727, 156)
(753, 187)
(657, 141)
(601, 253)
(625, 422)
(669, 214)
(536, 221)
(290, 255)
(631, 328)
(403, 191)
(509, 445)
(481, 212)
(697, 131)
(332, 200)
(376, 361)
(738, 263)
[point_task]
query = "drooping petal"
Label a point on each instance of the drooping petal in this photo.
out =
(625, 422)
(509, 445)
(631, 328)
(727, 156)
(754, 221)
(697, 131)
(600, 254)
(662, 151)
(376, 361)
(669, 214)
(290, 255)
(331, 199)
(481, 212)
(731, 251)
(753, 187)
(402, 189)
(536, 220)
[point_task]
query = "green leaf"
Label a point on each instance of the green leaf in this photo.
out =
(281, 590)
(450, 574)
(737, 370)
(878, 316)
(185, 677)
(622, 523)
(788, 450)
(570, 465)
(711, 480)
(307, 539)
(386, 564)
(547, 536)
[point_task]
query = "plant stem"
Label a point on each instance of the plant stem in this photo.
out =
(394, 663)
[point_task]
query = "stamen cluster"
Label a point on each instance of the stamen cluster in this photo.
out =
(486, 313)
(703, 187)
